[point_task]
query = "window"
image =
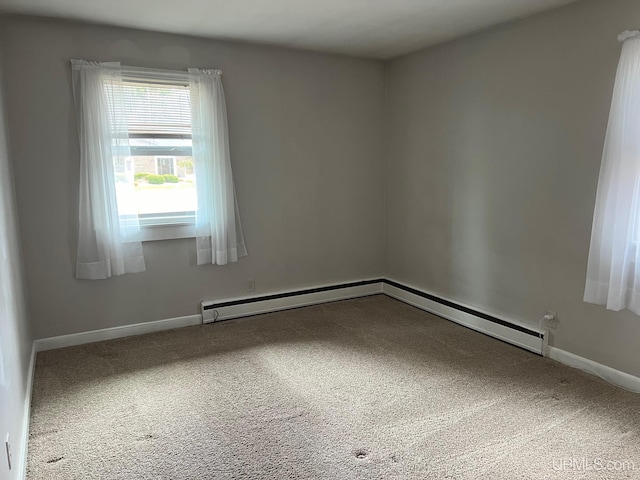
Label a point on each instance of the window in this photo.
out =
(134, 126)
(158, 113)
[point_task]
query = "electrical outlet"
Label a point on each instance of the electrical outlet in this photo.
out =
(7, 444)
(553, 321)
(251, 285)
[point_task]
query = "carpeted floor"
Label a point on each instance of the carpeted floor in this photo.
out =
(360, 389)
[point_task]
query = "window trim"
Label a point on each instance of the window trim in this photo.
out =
(167, 226)
(154, 233)
(157, 75)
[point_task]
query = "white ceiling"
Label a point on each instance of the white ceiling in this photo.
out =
(369, 28)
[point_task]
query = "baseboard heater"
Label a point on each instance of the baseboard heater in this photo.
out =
(518, 334)
(242, 307)
(512, 332)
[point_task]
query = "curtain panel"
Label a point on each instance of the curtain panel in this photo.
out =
(613, 273)
(219, 237)
(108, 235)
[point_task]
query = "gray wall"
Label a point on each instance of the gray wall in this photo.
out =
(495, 143)
(306, 132)
(15, 337)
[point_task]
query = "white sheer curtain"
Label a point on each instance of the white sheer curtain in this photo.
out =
(108, 236)
(219, 236)
(613, 273)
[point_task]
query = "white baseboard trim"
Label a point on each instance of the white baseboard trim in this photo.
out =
(611, 375)
(81, 338)
(243, 307)
(26, 417)
(509, 334)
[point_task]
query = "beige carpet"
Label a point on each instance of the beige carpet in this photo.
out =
(361, 389)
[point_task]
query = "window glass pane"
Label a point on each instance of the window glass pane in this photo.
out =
(154, 175)
(164, 184)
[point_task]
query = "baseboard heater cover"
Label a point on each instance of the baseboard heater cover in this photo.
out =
(511, 332)
(213, 311)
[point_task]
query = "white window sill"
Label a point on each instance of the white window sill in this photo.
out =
(167, 226)
(166, 232)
